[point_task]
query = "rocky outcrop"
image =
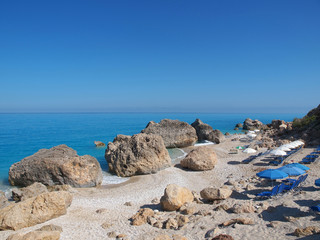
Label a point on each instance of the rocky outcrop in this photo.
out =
(239, 125)
(311, 230)
(21, 194)
(34, 210)
(136, 155)
(212, 194)
(200, 159)
(250, 124)
(174, 133)
(206, 132)
(56, 166)
(141, 216)
(174, 197)
(99, 144)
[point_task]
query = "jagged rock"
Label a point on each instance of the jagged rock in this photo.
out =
(200, 159)
(139, 154)
(311, 230)
(244, 221)
(182, 220)
(277, 123)
(174, 197)
(56, 166)
(206, 132)
(239, 125)
(175, 134)
(250, 124)
(223, 207)
(141, 216)
(3, 200)
(34, 210)
(187, 209)
(222, 237)
(99, 144)
(36, 235)
(211, 193)
(243, 208)
(28, 192)
(171, 223)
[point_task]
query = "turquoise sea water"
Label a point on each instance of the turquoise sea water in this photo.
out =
(22, 135)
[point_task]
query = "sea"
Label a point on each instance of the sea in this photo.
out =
(23, 134)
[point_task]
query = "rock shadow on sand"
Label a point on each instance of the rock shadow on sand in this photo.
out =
(155, 206)
(278, 213)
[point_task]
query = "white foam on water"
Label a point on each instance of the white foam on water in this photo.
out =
(204, 143)
(184, 154)
(112, 179)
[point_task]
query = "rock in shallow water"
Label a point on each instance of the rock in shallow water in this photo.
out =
(139, 154)
(56, 166)
(206, 132)
(175, 133)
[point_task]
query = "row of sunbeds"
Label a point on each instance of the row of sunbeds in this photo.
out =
(285, 186)
(310, 158)
(279, 160)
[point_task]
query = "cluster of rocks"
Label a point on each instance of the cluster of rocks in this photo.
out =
(279, 132)
(33, 205)
(179, 207)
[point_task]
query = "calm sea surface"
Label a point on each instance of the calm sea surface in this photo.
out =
(22, 135)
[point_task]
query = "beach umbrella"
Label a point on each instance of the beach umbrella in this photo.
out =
(278, 152)
(283, 148)
(240, 147)
(287, 146)
(257, 130)
(250, 132)
(317, 182)
(251, 135)
(272, 174)
(292, 171)
(249, 150)
(298, 165)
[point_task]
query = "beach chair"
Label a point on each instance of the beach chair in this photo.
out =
(316, 208)
(273, 192)
(281, 188)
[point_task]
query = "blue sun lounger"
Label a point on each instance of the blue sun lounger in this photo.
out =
(316, 208)
(273, 192)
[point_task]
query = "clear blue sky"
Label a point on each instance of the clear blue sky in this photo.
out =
(177, 56)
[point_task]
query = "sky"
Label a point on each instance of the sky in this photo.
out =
(159, 56)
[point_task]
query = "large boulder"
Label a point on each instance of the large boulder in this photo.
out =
(206, 132)
(139, 154)
(56, 166)
(174, 197)
(175, 133)
(200, 159)
(250, 124)
(21, 194)
(34, 210)
(212, 194)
